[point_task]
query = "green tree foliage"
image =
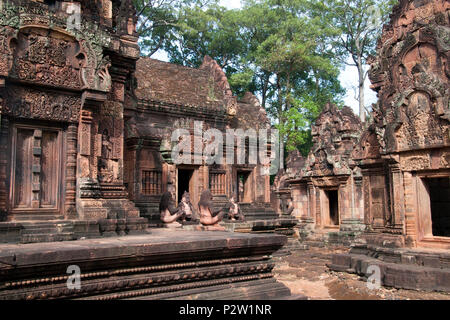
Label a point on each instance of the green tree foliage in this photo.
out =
(287, 52)
(160, 21)
(294, 64)
(357, 25)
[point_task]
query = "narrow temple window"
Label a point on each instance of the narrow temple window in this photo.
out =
(217, 183)
(151, 182)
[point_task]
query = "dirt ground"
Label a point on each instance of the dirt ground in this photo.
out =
(305, 272)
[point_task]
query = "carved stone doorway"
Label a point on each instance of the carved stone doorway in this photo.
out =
(243, 186)
(36, 175)
(333, 207)
(185, 182)
(439, 205)
(329, 204)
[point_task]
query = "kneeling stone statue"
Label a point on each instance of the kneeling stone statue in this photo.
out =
(235, 212)
(208, 218)
(168, 213)
(185, 205)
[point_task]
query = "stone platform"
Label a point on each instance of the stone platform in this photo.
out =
(278, 225)
(164, 264)
(283, 225)
(47, 230)
(402, 268)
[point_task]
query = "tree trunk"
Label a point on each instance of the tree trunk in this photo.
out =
(362, 110)
(280, 101)
(288, 91)
(265, 80)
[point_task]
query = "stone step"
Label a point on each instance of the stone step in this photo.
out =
(31, 231)
(123, 213)
(45, 237)
(53, 227)
(36, 217)
(397, 274)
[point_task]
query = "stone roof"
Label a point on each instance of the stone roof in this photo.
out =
(164, 82)
(250, 114)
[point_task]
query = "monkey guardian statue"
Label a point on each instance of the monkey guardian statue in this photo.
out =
(186, 207)
(168, 214)
(208, 218)
(235, 212)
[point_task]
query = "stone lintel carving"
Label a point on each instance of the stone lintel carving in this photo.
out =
(29, 103)
(93, 99)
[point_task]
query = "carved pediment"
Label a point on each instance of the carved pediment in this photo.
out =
(411, 74)
(47, 57)
(335, 134)
(40, 45)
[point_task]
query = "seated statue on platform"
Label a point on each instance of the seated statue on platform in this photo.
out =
(208, 218)
(235, 211)
(186, 207)
(169, 214)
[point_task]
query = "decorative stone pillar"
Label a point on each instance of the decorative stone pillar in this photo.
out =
(4, 128)
(398, 197)
(88, 188)
(344, 201)
(266, 188)
(312, 216)
(70, 211)
(352, 206)
(358, 199)
(367, 212)
(411, 209)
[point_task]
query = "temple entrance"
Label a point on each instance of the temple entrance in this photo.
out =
(243, 186)
(185, 182)
(333, 207)
(329, 204)
(439, 192)
(36, 170)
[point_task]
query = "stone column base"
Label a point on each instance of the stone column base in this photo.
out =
(355, 225)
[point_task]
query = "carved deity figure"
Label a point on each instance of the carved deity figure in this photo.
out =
(106, 145)
(209, 218)
(241, 188)
(105, 167)
(290, 207)
(235, 211)
(187, 209)
(168, 213)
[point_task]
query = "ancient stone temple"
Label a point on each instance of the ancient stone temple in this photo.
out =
(85, 143)
(404, 154)
(63, 79)
(86, 131)
(280, 196)
(165, 97)
(327, 191)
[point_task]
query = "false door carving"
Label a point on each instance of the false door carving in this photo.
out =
(36, 169)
